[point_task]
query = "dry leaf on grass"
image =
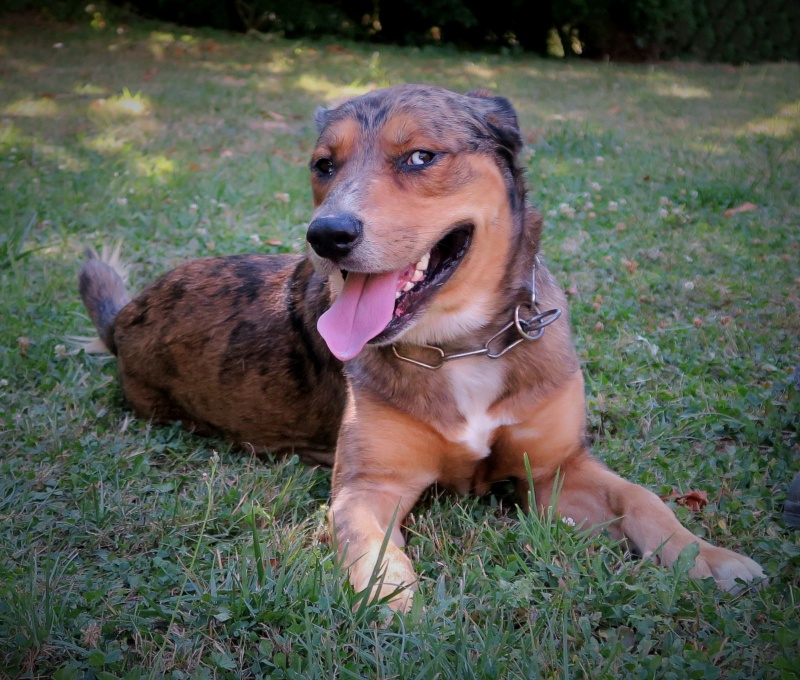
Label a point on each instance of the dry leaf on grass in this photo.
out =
(694, 500)
(744, 207)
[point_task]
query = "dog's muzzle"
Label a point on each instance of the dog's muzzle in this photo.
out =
(334, 236)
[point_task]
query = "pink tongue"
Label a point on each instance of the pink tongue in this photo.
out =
(361, 312)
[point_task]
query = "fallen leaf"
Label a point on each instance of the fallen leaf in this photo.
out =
(694, 500)
(337, 49)
(274, 242)
(744, 207)
(24, 345)
(267, 125)
(533, 136)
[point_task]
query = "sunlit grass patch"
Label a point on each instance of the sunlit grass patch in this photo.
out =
(124, 105)
(330, 91)
(154, 166)
(682, 91)
(42, 107)
(785, 122)
(90, 89)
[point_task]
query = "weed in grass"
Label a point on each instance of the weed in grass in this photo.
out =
(12, 243)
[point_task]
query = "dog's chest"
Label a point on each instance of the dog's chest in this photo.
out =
(475, 385)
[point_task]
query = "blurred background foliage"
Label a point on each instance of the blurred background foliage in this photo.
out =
(732, 31)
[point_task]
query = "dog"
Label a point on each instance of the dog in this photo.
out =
(421, 339)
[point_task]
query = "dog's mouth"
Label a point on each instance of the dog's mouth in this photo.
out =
(422, 280)
(375, 308)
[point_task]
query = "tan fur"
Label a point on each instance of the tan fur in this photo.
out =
(214, 343)
(405, 428)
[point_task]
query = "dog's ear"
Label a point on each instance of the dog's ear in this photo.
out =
(501, 119)
(533, 224)
(321, 117)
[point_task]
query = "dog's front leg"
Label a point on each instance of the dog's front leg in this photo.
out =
(384, 461)
(565, 473)
(591, 494)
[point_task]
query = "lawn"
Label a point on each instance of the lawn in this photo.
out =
(670, 194)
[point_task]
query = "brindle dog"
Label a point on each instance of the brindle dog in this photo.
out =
(423, 281)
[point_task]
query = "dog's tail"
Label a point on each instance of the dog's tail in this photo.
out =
(101, 283)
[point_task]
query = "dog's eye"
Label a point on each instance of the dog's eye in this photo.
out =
(324, 166)
(420, 158)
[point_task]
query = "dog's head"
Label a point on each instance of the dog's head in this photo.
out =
(419, 201)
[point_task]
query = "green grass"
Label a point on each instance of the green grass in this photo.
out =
(130, 551)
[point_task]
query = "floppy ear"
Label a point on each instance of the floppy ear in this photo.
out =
(501, 119)
(533, 225)
(321, 117)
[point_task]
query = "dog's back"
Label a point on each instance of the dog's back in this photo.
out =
(226, 345)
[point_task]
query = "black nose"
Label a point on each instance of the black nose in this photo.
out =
(334, 236)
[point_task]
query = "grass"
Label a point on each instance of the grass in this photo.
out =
(130, 551)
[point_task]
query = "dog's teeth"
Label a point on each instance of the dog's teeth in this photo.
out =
(418, 275)
(422, 265)
(397, 294)
(408, 286)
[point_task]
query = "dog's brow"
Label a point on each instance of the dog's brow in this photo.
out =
(338, 138)
(401, 138)
(404, 132)
(399, 131)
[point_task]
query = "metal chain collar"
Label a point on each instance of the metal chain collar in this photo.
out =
(528, 330)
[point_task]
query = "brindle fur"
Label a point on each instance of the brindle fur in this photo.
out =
(230, 345)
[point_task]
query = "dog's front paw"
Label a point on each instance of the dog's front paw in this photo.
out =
(726, 567)
(394, 582)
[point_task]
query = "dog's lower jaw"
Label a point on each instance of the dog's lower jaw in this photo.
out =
(440, 327)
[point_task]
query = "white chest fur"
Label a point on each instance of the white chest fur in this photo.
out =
(476, 384)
